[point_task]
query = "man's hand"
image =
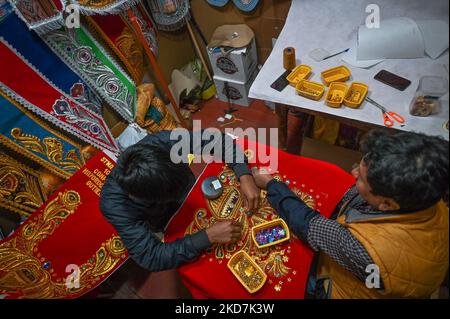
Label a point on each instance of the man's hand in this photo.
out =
(261, 177)
(224, 232)
(250, 192)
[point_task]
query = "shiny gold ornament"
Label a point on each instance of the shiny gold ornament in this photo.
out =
(21, 190)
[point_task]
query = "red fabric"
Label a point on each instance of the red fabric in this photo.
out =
(117, 33)
(209, 276)
(78, 239)
(58, 5)
(111, 25)
(32, 87)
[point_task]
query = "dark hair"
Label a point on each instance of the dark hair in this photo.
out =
(147, 173)
(410, 168)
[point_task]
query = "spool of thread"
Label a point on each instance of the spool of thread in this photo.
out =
(212, 188)
(289, 58)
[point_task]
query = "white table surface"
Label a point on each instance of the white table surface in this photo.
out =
(332, 24)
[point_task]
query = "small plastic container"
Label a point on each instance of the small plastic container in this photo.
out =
(337, 74)
(301, 72)
(247, 271)
(310, 90)
(336, 94)
(356, 95)
(268, 226)
(427, 100)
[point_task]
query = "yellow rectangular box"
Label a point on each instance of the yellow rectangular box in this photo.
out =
(310, 90)
(271, 224)
(337, 74)
(247, 271)
(356, 94)
(336, 94)
(301, 72)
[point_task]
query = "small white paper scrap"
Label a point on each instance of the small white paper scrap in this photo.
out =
(216, 184)
(220, 119)
(228, 116)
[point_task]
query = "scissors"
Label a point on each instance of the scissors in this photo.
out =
(389, 117)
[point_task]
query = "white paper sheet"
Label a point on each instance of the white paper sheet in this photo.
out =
(435, 36)
(350, 58)
(339, 23)
(398, 38)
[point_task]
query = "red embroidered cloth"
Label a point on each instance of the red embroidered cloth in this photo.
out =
(66, 248)
(321, 185)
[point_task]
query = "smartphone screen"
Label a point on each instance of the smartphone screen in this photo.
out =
(281, 83)
(392, 80)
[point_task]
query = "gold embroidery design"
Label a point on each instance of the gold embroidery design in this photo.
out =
(51, 147)
(273, 260)
(21, 190)
(21, 271)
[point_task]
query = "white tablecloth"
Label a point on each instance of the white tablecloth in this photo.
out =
(333, 25)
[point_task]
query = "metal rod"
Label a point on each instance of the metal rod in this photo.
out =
(156, 68)
(381, 107)
(199, 51)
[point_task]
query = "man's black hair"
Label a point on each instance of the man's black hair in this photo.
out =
(410, 168)
(147, 173)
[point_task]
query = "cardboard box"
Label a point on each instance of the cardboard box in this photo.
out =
(237, 91)
(238, 65)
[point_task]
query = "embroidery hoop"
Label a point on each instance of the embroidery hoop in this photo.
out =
(243, 5)
(173, 21)
(108, 6)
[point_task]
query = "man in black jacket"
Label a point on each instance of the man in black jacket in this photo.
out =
(146, 188)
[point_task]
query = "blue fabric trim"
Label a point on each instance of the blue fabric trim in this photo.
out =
(12, 117)
(218, 3)
(30, 46)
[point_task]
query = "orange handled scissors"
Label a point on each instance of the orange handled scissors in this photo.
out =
(389, 117)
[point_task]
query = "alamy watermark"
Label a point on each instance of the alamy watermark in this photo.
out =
(72, 16)
(73, 280)
(211, 145)
(373, 19)
(373, 279)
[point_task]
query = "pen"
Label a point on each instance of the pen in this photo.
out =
(330, 56)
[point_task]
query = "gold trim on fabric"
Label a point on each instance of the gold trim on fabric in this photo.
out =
(229, 206)
(21, 271)
(21, 190)
(49, 146)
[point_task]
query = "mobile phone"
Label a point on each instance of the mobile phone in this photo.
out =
(281, 83)
(393, 80)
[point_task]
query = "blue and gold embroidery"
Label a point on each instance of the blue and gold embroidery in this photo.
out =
(29, 136)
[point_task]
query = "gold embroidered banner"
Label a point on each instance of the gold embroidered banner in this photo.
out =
(320, 185)
(21, 190)
(66, 248)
